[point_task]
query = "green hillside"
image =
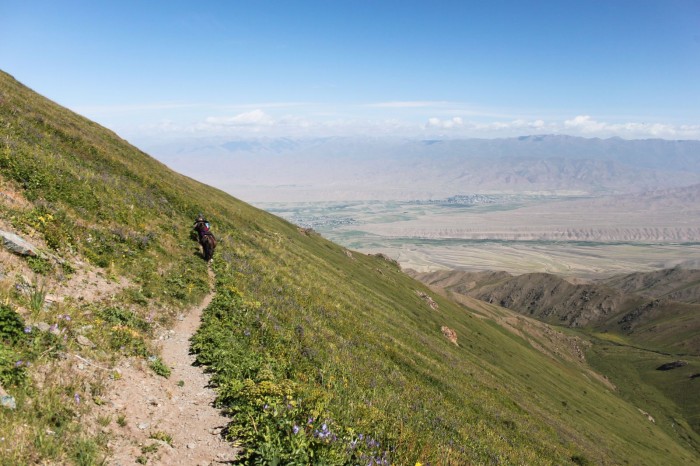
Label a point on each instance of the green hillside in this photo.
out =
(320, 355)
(631, 335)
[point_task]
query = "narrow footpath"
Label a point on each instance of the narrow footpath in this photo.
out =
(167, 421)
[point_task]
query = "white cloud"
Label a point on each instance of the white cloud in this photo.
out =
(454, 122)
(253, 118)
(457, 127)
(585, 125)
(580, 125)
(401, 119)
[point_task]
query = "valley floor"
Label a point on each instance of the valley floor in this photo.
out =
(517, 235)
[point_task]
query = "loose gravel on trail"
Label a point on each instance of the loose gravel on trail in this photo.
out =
(169, 421)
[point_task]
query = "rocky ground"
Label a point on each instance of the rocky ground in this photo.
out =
(167, 421)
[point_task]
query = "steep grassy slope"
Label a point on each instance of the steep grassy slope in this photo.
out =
(630, 340)
(117, 263)
(320, 355)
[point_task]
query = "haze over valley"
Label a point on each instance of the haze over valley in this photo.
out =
(561, 204)
(390, 168)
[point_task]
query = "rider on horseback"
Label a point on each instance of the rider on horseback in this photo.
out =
(201, 226)
(205, 236)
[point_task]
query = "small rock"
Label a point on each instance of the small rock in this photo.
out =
(50, 299)
(671, 365)
(191, 446)
(143, 425)
(81, 366)
(16, 244)
(449, 334)
(433, 305)
(84, 341)
(8, 401)
(24, 288)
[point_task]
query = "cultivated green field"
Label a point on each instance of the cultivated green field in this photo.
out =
(501, 235)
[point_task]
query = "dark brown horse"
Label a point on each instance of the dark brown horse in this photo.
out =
(206, 238)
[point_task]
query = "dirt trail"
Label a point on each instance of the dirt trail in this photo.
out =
(174, 414)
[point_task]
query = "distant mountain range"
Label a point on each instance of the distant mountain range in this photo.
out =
(376, 168)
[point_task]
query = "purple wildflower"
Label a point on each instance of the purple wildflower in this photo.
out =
(295, 429)
(28, 329)
(76, 397)
(19, 363)
(323, 433)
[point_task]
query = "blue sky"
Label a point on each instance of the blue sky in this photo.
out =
(165, 70)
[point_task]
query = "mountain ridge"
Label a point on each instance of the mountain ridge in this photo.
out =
(629, 304)
(355, 167)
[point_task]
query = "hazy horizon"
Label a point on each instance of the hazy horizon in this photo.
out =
(391, 168)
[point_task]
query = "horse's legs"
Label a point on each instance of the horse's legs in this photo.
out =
(208, 252)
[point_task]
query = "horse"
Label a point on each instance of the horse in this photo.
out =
(206, 239)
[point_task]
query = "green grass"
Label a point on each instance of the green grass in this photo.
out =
(298, 330)
(90, 198)
(319, 358)
(669, 396)
(159, 367)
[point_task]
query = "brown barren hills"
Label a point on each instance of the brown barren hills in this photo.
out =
(656, 309)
